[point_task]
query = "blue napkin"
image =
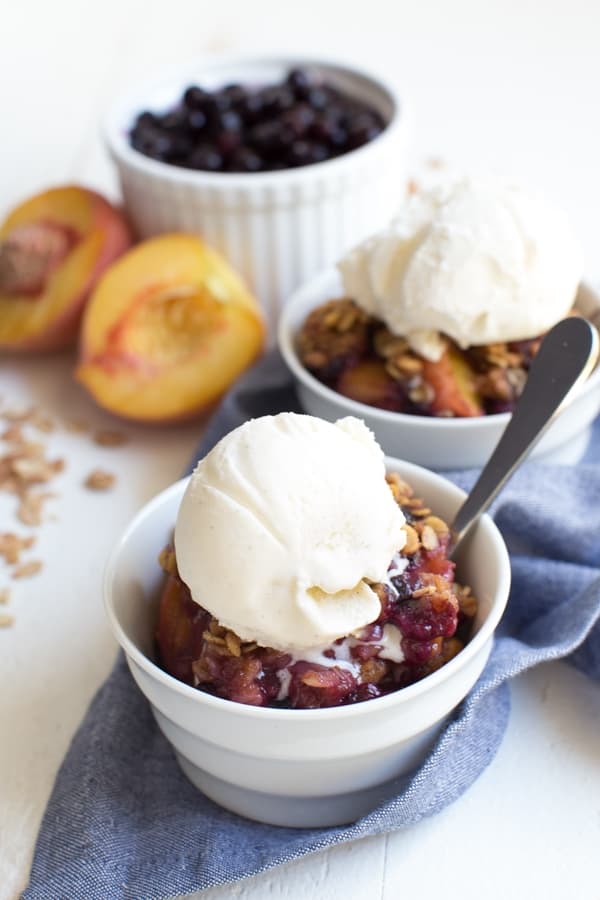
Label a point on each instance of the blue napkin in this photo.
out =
(123, 822)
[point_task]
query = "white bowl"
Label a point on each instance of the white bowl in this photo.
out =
(438, 443)
(299, 767)
(276, 228)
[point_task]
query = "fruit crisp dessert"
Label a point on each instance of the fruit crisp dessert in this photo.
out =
(243, 128)
(287, 623)
(445, 309)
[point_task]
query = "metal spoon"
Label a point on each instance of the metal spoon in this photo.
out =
(566, 357)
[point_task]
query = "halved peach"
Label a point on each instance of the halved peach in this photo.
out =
(53, 249)
(453, 383)
(168, 329)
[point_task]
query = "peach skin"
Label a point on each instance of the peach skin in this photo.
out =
(53, 249)
(167, 330)
(453, 382)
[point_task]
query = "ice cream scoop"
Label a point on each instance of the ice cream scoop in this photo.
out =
(282, 527)
(481, 261)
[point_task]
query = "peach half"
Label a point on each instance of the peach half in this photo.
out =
(53, 249)
(168, 329)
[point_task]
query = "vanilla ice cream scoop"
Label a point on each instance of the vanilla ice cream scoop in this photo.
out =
(283, 524)
(482, 261)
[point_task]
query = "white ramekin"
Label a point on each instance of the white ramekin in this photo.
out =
(276, 228)
(438, 443)
(299, 767)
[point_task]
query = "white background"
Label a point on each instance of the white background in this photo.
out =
(505, 86)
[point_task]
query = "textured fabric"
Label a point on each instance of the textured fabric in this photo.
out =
(123, 822)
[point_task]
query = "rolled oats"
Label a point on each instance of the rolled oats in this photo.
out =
(27, 569)
(100, 480)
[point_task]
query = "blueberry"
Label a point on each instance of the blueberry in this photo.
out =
(296, 122)
(173, 120)
(228, 132)
(145, 120)
(251, 109)
(271, 138)
(318, 98)
(277, 99)
(236, 95)
(244, 159)
(197, 120)
(194, 97)
(300, 82)
(299, 118)
(303, 153)
(205, 157)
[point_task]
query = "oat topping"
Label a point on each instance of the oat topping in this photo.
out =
(4, 596)
(6, 620)
(357, 355)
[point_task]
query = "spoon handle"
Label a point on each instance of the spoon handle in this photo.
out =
(567, 354)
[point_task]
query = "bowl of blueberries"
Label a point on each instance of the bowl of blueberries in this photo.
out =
(281, 164)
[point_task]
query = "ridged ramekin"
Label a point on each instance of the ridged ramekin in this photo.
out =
(439, 443)
(276, 228)
(299, 767)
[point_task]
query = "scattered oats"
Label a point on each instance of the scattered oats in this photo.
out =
(249, 648)
(6, 620)
(99, 480)
(30, 450)
(14, 434)
(435, 162)
(412, 187)
(76, 426)
(26, 570)
(110, 438)
(35, 470)
(41, 422)
(18, 415)
(31, 507)
(11, 546)
(4, 596)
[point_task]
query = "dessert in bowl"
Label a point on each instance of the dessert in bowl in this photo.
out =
(427, 330)
(280, 163)
(305, 582)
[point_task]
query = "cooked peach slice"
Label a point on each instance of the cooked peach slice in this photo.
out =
(368, 382)
(453, 383)
(168, 329)
(53, 249)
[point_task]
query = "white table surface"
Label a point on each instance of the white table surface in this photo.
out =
(506, 86)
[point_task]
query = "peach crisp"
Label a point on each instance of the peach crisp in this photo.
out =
(425, 619)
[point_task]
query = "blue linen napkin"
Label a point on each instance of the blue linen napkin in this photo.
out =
(123, 822)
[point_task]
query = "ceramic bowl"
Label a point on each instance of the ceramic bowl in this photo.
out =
(299, 767)
(276, 228)
(437, 443)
